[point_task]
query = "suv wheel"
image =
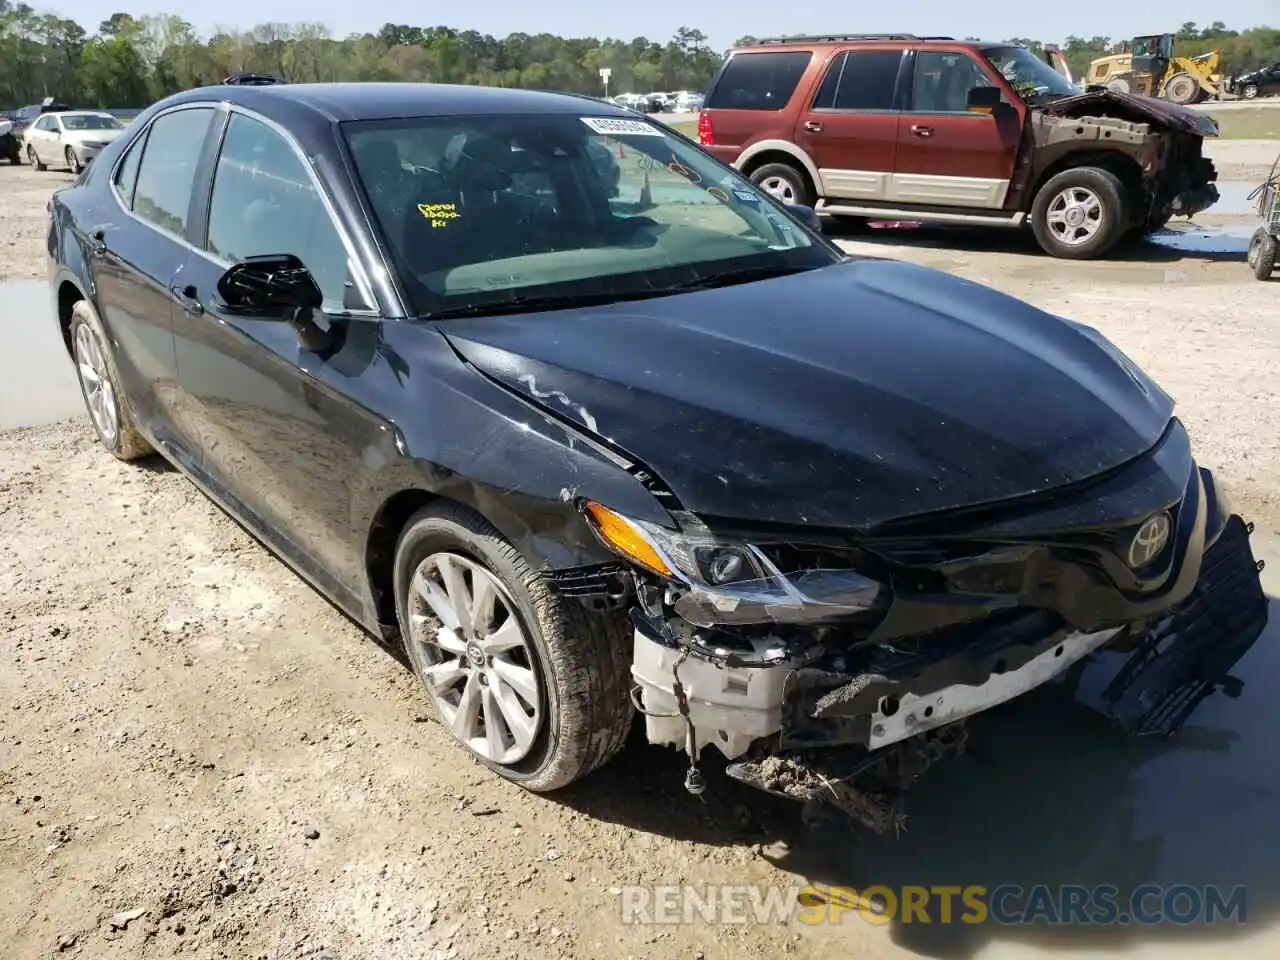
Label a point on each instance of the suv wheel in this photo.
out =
(1080, 213)
(1262, 253)
(784, 182)
(533, 685)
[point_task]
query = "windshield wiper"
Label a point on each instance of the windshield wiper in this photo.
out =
(728, 278)
(537, 304)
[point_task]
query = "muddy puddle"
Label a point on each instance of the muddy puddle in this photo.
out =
(37, 382)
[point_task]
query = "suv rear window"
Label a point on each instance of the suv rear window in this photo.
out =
(759, 81)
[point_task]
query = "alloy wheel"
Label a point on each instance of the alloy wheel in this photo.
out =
(780, 188)
(1075, 216)
(99, 394)
(479, 666)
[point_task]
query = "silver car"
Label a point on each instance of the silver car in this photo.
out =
(69, 138)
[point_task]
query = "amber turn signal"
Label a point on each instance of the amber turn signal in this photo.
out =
(621, 535)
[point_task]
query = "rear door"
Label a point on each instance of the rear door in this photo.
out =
(947, 155)
(138, 256)
(850, 127)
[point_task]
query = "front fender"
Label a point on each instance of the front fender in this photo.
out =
(516, 465)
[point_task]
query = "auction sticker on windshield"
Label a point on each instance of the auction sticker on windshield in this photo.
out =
(617, 127)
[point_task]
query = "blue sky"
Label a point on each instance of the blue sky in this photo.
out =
(721, 20)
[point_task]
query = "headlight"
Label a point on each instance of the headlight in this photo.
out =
(720, 582)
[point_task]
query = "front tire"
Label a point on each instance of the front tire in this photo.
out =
(1183, 89)
(784, 182)
(1250, 91)
(533, 685)
(1262, 253)
(104, 397)
(1080, 213)
(34, 159)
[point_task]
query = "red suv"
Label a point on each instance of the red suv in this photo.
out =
(938, 130)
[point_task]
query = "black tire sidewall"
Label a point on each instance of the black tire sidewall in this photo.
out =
(797, 178)
(431, 533)
(1109, 190)
(1265, 263)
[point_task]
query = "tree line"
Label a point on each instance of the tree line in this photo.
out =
(128, 62)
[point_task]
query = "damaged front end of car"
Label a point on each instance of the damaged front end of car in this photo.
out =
(1164, 142)
(834, 668)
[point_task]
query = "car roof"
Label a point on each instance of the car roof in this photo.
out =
(841, 40)
(340, 102)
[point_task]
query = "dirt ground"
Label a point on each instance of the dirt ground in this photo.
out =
(202, 758)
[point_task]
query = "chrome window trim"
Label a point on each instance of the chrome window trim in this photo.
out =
(359, 276)
(115, 172)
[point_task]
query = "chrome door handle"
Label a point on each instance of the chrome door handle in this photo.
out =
(188, 296)
(813, 126)
(920, 130)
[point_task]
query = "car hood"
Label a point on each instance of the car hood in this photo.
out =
(844, 397)
(1172, 115)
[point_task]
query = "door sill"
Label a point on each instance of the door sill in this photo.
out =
(929, 215)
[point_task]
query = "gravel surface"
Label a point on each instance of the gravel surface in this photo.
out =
(202, 758)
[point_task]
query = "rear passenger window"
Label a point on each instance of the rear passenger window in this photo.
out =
(868, 80)
(759, 81)
(127, 174)
(168, 168)
(825, 98)
(265, 202)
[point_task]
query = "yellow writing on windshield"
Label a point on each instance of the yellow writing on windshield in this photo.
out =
(440, 214)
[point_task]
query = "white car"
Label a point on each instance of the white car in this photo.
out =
(69, 138)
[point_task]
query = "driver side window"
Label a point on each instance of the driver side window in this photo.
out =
(943, 80)
(265, 202)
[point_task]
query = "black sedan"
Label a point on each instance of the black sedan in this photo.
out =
(538, 391)
(1263, 82)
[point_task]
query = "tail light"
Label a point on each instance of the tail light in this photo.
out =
(706, 135)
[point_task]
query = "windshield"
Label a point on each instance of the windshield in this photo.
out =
(90, 122)
(1031, 77)
(485, 211)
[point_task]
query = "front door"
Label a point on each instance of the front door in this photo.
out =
(851, 127)
(278, 441)
(947, 155)
(137, 254)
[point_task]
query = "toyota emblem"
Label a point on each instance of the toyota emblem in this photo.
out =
(1149, 541)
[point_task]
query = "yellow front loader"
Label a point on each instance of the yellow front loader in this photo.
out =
(1148, 67)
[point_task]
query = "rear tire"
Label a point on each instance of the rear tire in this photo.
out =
(1080, 213)
(574, 664)
(108, 406)
(784, 182)
(1262, 253)
(73, 162)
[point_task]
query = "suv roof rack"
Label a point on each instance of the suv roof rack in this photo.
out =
(845, 37)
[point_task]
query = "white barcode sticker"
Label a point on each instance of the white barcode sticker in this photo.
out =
(618, 127)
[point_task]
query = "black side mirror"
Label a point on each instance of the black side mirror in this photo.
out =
(807, 215)
(270, 284)
(983, 99)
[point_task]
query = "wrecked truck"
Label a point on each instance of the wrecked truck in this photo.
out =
(581, 447)
(935, 130)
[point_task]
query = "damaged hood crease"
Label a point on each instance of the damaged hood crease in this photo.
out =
(894, 402)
